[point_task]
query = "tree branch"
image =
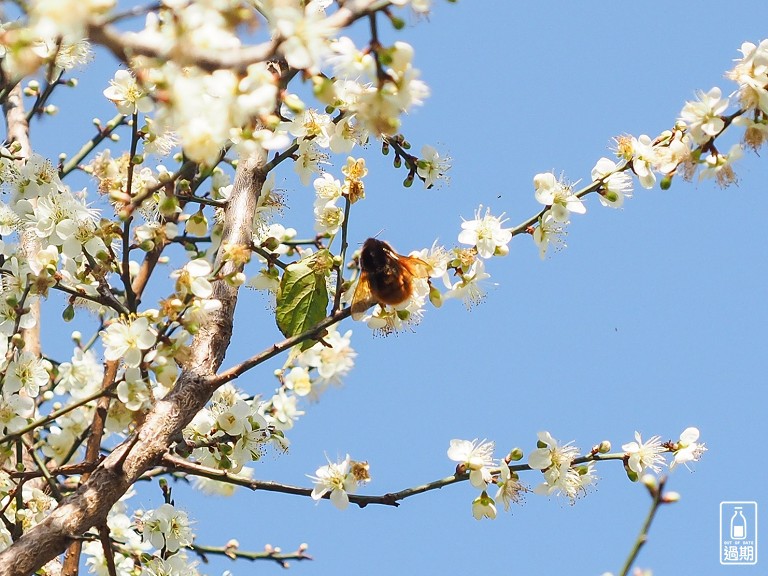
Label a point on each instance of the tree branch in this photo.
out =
(128, 45)
(89, 506)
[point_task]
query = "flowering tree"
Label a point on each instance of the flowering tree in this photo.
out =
(225, 93)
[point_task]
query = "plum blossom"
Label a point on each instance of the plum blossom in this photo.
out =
(704, 116)
(553, 192)
(124, 91)
(477, 457)
(166, 527)
(616, 184)
(431, 166)
(127, 340)
(644, 455)
(688, 448)
(485, 233)
(336, 478)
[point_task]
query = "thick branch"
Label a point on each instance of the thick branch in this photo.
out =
(117, 472)
(18, 132)
(128, 45)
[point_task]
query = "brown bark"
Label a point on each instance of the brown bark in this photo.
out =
(18, 131)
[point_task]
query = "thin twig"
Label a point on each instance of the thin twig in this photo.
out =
(104, 132)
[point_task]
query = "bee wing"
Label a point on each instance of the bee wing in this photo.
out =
(362, 298)
(415, 266)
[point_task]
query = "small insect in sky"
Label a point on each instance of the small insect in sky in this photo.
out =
(386, 277)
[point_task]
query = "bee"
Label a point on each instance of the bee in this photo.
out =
(386, 277)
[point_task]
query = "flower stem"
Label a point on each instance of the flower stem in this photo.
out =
(642, 538)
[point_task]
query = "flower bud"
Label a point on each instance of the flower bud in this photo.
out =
(515, 455)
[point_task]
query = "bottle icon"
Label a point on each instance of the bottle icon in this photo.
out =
(738, 525)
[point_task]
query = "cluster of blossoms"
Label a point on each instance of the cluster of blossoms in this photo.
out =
(476, 457)
(309, 373)
(565, 472)
(690, 144)
(159, 536)
(36, 506)
(328, 215)
(235, 430)
(207, 111)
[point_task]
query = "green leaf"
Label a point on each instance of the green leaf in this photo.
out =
(302, 299)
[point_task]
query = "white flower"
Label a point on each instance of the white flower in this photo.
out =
(257, 93)
(704, 117)
(127, 340)
(477, 457)
(436, 256)
(510, 489)
(644, 157)
(308, 160)
(10, 221)
(133, 391)
(37, 177)
(751, 74)
(719, 166)
(556, 463)
(483, 507)
(299, 381)
(58, 444)
(349, 61)
(68, 18)
(431, 166)
(333, 358)
(616, 185)
(327, 188)
(644, 455)
(285, 411)
(166, 527)
(251, 443)
(304, 34)
(468, 287)
(200, 311)
(10, 322)
(80, 377)
(27, 373)
(550, 452)
(218, 488)
(233, 419)
(313, 125)
(46, 259)
(485, 233)
(337, 479)
(14, 410)
(97, 563)
(5, 538)
(175, 565)
(62, 220)
(688, 448)
(549, 231)
(553, 192)
(346, 133)
(192, 278)
(672, 149)
(328, 218)
(127, 95)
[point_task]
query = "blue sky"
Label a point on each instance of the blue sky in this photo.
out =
(652, 319)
